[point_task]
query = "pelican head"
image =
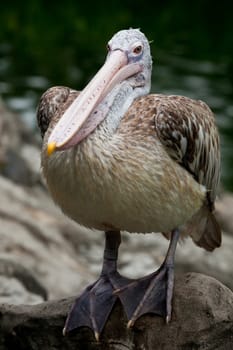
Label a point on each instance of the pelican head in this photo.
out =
(128, 60)
(135, 46)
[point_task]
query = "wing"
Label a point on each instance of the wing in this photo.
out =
(187, 130)
(52, 104)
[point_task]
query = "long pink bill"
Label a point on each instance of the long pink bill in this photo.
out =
(115, 70)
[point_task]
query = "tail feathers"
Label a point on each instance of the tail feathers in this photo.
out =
(205, 230)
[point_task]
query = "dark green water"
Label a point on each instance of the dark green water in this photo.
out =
(44, 44)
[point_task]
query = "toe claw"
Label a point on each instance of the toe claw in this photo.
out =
(130, 324)
(93, 307)
(97, 336)
(151, 294)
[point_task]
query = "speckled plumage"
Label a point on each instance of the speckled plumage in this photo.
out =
(156, 170)
(135, 178)
(115, 158)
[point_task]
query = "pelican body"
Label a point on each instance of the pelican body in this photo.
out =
(118, 158)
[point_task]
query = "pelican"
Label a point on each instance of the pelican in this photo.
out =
(118, 158)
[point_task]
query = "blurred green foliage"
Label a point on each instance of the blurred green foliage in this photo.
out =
(48, 38)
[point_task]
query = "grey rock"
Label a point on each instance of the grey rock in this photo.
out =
(202, 319)
(142, 254)
(224, 212)
(12, 291)
(18, 285)
(34, 234)
(44, 254)
(65, 257)
(18, 149)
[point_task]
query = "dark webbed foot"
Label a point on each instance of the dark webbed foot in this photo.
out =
(153, 293)
(93, 306)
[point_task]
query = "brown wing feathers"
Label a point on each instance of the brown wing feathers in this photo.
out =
(187, 130)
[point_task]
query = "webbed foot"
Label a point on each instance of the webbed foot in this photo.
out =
(153, 293)
(93, 307)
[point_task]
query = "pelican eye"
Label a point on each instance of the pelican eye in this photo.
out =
(108, 47)
(138, 49)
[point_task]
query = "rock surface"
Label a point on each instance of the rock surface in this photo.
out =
(202, 319)
(64, 257)
(44, 255)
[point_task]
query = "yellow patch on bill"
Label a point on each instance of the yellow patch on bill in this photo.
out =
(51, 147)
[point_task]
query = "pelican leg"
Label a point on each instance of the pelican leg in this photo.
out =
(93, 307)
(153, 293)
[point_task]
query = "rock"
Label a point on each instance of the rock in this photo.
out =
(19, 151)
(34, 234)
(43, 255)
(224, 212)
(142, 254)
(9, 130)
(202, 319)
(14, 292)
(18, 285)
(65, 257)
